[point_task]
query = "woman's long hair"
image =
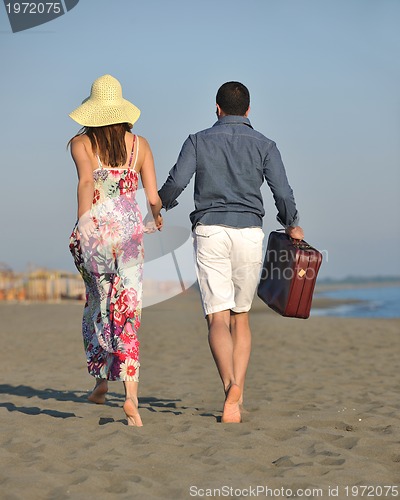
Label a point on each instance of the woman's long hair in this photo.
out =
(108, 142)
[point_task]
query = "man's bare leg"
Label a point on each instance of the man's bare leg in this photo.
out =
(231, 412)
(131, 404)
(241, 338)
(221, 345)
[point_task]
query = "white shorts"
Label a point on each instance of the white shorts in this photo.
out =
(228, 263)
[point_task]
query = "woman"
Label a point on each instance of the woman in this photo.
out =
(107, 240)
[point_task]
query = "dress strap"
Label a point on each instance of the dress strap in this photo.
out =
(137, 154)
(131, 157)
(99, 161)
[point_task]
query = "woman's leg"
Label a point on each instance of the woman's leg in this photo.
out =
(98, 395)
(131, 404)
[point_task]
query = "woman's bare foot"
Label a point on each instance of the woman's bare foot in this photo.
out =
(98, 395)
(231, 411)
(242, 409)
(132, 413)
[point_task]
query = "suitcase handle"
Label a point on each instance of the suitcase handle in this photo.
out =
(300, 244)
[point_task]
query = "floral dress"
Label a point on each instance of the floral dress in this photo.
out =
(111, 265)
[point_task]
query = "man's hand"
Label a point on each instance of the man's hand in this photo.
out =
(295, 232)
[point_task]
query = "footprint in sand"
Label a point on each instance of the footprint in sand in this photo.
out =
(346, 442)
(333, 461)
(286, 461)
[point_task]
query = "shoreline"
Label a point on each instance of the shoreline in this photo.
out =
(330, 287)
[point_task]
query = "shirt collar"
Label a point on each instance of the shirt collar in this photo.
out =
(233, 120)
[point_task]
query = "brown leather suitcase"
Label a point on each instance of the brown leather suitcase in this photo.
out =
(288, 275)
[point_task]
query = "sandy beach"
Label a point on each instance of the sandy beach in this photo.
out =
(322, 403)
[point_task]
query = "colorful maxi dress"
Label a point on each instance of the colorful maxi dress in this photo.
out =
(111, 265)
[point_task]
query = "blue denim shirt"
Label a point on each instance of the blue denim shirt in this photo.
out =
(231, 161)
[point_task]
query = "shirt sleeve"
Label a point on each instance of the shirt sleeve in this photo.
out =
(180, 174)
(275, 176)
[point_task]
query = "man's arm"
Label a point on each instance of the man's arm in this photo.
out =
(275, 176)
(180, 175)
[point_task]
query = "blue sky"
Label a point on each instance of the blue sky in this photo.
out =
(324, 81)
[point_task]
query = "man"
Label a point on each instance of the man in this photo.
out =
(231, 160)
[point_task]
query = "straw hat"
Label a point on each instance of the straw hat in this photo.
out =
(105, 105)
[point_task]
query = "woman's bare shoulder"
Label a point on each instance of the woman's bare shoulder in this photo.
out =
(81, 143)
(143, 141)
(81, 147)
(80, 139)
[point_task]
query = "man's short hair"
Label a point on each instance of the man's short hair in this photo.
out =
(233, 98)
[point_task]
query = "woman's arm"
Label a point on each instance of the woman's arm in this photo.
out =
(84, 169)
(149, 181)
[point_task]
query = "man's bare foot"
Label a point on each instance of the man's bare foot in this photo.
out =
(98, 395)
(231, 411)
(132, 413)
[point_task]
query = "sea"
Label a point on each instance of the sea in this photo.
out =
(374, 302)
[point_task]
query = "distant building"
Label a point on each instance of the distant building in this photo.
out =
(40, 285)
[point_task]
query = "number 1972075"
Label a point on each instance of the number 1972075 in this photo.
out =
(32, 8)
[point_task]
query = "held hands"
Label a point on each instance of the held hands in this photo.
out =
(158, 221)
(295, 232)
